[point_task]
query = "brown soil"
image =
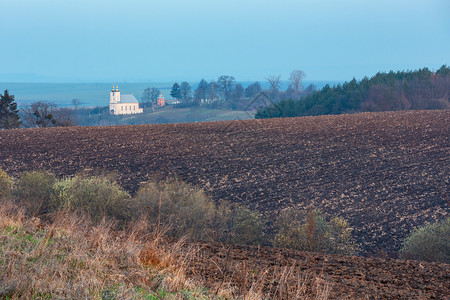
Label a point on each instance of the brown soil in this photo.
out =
(387, 173)
(291, 275)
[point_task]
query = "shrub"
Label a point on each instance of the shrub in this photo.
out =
(429, 243)
(339, 237)
(183, 210)
(97, 196)
(301, 231)
(247, 227)
(5, 184)
(33, 190)
(309, 231)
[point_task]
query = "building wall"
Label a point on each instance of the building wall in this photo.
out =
(125, 108)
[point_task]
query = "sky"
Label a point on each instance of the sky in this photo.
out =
(175, 40)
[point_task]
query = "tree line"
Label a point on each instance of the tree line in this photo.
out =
(37, 114)
(226, 93)
(393, 91)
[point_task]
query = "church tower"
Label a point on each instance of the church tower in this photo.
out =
(114, 98)
(114, 95)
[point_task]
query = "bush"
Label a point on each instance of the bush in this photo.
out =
(5, 184)
(98, 196)
(429, 243)
(181, 209)
(247, 228)
(301, 231)
(309, 231)
(339, 237)
(33, 190)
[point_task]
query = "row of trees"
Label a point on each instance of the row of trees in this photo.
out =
(36, 114)
(421, 89)
(225, 92)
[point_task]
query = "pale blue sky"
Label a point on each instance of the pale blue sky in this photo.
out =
(140, 41)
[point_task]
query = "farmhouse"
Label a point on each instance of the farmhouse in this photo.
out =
(123, 104)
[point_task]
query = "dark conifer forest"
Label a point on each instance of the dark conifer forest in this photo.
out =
(422, 89)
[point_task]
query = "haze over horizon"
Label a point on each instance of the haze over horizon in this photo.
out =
(162, 41)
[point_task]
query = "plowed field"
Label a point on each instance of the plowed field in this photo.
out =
(284, 274)
(387, 173)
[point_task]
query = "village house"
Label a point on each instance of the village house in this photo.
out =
(123, 104)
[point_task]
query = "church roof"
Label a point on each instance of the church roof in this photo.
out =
(128, 98)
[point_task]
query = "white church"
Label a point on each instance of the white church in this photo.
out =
(123, 104)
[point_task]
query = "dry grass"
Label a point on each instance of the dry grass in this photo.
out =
(72, 258)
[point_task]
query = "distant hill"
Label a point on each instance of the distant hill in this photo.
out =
(386, 173)
(393, 91)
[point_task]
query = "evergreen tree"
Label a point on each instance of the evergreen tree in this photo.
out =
(176, 91)
(9, 114)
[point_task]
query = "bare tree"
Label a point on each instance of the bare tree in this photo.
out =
(154, 94)
(65, 117)
(226, 84)
(76, 102)
(296, 79)
(274, 82)
(39, 114)
(212, 88)
(201, 91)
(185, 89)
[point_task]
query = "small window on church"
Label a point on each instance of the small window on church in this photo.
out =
(121, 108)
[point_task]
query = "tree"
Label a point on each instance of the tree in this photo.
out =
(39, 114)
(154, 94)
(238, 92)
(9, 114)
(296, 79)
(65, 117)
(236, 96)
(176, 91)
(212, 88)
(225, 84)
(274, 82)
(146, 98)
(201, 91)
(76, 102)
(149, 97)
(252, 90)
(185, 90)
